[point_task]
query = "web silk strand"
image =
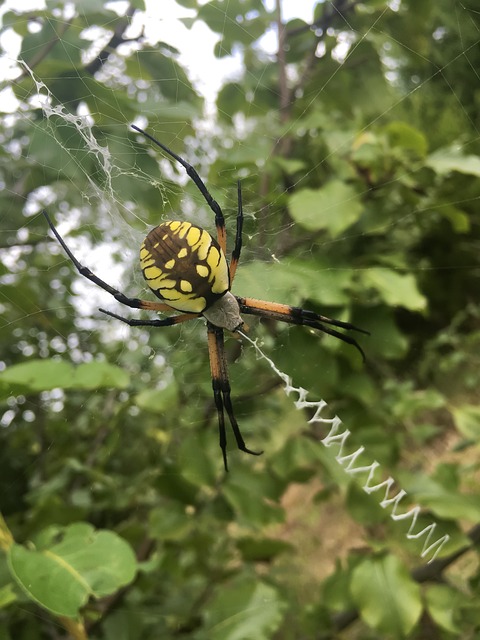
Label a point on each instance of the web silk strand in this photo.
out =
(338, 437)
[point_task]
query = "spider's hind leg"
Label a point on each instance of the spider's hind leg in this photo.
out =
(221, 392)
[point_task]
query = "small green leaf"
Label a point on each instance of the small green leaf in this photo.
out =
(442, 602)
(444, 161)
(7, 596)
(334, 207)
(85, 563)
(263, 549)
(253, 498)
(396, 289)
(467, 420)
(158, 400)
(387, 597)
(404, 135)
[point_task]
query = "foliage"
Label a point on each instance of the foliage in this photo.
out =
(358, 150)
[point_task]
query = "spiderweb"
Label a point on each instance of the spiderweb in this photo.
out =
(119, 223)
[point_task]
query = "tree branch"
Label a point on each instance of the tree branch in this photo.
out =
(114, 42)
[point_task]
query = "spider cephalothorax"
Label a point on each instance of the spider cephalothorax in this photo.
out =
(187, 270)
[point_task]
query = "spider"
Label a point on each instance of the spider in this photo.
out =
(186, 268)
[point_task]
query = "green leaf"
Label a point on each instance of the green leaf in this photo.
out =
(85, 563)
(7, 596)
(35, 375)
(467, 420)
(158, 400)
(442, 602)
(99, 375)
(252, 497)
(444, 161)
(404, 135)
(387, 597)
(294, 281)
(334, 207)
(43, 375)
(263, 549)
(395, 289)
(244, 608)
(170, 522)
(443, 502)
(61, 40)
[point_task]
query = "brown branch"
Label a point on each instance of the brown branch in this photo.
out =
(114, 42)
(96, 64)
(340, 7)
(285, 96)
(325, 21)
(43, 53)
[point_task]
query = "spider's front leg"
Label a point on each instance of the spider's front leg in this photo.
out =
(221, 392)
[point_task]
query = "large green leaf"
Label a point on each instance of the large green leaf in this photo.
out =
(294, 281)
(334, 207)
(387, 597)
(85, 563)
(43, 375)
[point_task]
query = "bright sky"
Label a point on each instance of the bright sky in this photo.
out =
(162, 24)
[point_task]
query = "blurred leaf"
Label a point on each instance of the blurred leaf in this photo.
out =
(252, 497)
(334, 207)
(387, 597)
(244, 608)
(441, 604)
(445, 161)
(263, 549)
(294, 281)
(42, 375)
(404, 135)
(396, 289)
(170, 522)
(158, 400)
(467, 420)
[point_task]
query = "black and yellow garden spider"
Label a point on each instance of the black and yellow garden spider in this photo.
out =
(187, 270)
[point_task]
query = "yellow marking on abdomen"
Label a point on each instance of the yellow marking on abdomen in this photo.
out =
(186, 286)
(202, 270)
(193, 236)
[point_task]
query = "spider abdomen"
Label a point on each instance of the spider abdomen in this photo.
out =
(184, 266)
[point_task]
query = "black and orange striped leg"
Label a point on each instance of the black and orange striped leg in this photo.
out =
(221, 392)
(238, 236)
(134, 303)
(298, 316)
(158, 322)
(192, 173)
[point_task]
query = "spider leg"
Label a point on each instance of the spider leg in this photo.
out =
(221, 392)
(159, 322)
(298, 316)
(134, 303)
(238, 236)
(192, 173)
